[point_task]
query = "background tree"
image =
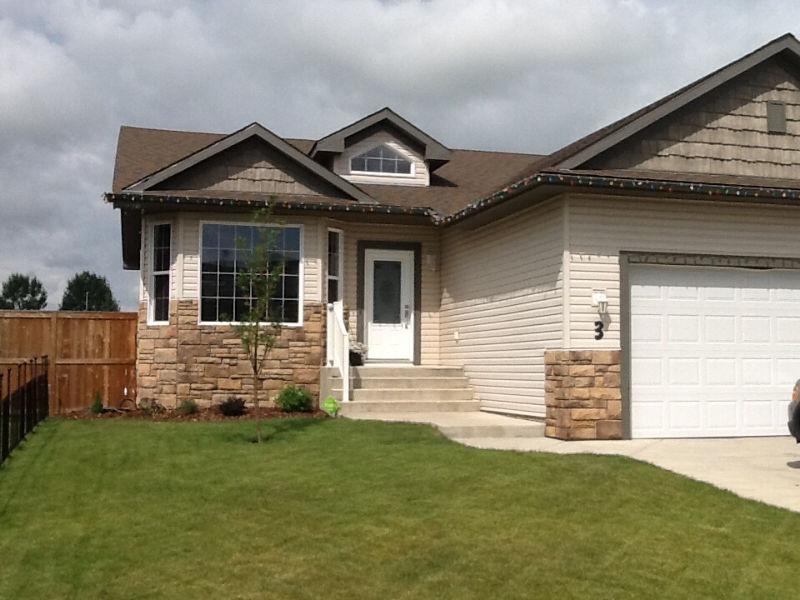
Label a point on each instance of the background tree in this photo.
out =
(23, 292)
(87, 291)
(260, 328)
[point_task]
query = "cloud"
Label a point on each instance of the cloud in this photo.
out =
(506, 75)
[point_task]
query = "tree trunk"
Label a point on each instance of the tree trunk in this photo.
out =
(257, 408)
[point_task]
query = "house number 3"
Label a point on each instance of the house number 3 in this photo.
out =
(598, 330)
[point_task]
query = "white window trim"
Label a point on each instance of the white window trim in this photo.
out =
(151, 304)
(340, 276)
(405, 155)
(300, 275)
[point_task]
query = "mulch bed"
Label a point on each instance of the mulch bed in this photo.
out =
(204, 414)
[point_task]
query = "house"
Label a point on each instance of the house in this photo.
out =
(643, 281)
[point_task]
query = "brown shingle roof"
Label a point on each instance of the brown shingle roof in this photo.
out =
(469, 174)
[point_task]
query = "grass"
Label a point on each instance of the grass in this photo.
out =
(340, 509)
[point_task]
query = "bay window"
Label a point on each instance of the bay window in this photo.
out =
(226, 251)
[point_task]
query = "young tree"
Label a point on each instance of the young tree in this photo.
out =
(87, 291)
(23, 292)
(259, 329)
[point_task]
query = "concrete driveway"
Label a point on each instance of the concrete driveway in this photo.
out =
(765, 469)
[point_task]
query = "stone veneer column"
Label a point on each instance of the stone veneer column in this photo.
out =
(184, 360)
(582, 394)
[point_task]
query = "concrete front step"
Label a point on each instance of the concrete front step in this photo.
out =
(465, 426)
(371, 383)
(406, 394)
(409, 371)
(367, 409)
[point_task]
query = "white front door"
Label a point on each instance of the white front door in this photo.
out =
(714, 351)
(389, 305)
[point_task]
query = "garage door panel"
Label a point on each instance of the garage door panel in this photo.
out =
(720, 328)
(683, 371)
(755, 329)
(714, 351)
(788, 329)
(787, 371)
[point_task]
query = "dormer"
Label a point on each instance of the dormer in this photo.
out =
(383, 149)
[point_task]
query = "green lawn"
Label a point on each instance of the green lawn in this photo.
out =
(339, 509)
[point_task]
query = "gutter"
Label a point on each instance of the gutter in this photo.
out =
(139, 200)
(628, 184)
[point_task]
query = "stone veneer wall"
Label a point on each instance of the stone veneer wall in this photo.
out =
(582, 394)
(184, 360)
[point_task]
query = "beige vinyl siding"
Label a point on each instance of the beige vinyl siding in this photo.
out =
(599, 228)
(430, 290)
(501, 295)
(185, 274)
(341, 163)
(724, 133)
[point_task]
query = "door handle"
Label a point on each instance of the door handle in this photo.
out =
(406, 313)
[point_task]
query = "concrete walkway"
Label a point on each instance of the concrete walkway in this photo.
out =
(765, 469)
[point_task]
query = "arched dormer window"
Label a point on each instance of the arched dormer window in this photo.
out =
(381, 159)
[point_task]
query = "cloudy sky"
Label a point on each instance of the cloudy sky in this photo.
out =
(507, 75)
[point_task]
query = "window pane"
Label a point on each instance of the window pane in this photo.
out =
(333, 290)
(227, 236)
(161, 298)
(210, 259)
(403, 166)
(208, 286)
(291, 238)
(242, 309)
(226, 260)
(161, 247)
(386, 291)
(208, 309)
(210, 236)
(291, 267)
(290, 309)
(162, 236)
(226, 285)
(225, 313)
(243, 237)
(290, 286)
(333, 242)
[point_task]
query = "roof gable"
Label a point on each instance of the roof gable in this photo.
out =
(581, 151)
(251, 166)
(723, 133)
(254, 130)
(433, 150)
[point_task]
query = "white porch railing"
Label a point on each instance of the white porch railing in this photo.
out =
(338, 347)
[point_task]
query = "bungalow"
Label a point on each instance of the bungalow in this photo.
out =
(643, 281)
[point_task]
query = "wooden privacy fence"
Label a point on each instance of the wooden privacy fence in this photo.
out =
(89, 353)
(23, 402)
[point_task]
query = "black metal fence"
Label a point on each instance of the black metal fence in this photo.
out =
(24, 402)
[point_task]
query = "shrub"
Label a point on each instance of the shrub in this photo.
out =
(188, 407)
(97, 405)
(232, 407)
(295, 399)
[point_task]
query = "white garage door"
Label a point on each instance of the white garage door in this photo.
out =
(714, 351)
